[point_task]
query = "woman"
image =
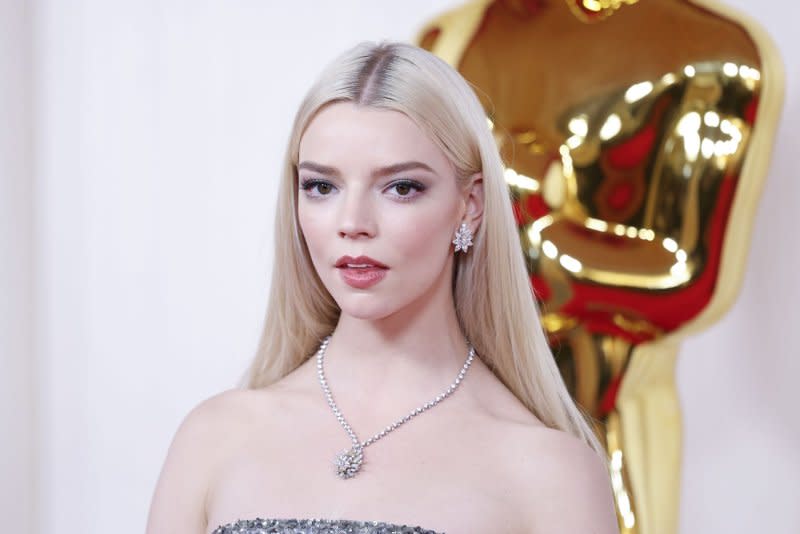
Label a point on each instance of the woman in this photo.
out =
(403, 377)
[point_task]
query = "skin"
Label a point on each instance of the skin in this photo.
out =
(388, 332)
(477, 462)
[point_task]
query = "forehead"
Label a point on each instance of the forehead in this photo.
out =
(345, 134)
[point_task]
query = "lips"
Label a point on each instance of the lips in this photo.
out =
(361, 272)
(363, 262)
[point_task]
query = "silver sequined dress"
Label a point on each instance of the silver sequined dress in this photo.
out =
(316, 526)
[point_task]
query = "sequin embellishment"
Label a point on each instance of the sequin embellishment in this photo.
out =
(316, 526)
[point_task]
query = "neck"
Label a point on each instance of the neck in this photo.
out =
(400, 360)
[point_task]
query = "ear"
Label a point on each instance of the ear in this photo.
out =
(473, 202)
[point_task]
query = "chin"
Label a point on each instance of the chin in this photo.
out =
(377, 302)
(365, 311)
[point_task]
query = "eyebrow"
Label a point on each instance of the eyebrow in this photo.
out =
(383, 171)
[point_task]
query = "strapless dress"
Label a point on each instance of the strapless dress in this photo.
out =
(316, 526)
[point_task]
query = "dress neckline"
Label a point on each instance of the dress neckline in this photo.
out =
(317, 526)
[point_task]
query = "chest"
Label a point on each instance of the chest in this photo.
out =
(451, 481)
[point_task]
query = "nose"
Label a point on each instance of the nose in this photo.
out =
(356, 216)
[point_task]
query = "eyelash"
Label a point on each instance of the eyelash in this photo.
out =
(309, 184)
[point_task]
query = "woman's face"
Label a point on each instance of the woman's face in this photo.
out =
(371, 183)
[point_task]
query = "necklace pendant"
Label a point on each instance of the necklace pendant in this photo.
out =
(349, 462)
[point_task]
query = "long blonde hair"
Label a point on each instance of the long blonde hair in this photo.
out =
(494, 300)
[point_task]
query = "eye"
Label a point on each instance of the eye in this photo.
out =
(404, 189)
(322, 187)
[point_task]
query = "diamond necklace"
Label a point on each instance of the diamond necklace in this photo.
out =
(349, 461)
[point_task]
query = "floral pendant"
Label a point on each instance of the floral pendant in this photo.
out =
(349, 462)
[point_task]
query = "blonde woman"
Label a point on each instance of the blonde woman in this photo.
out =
(403, 380)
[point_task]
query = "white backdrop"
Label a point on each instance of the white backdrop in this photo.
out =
(137, 221)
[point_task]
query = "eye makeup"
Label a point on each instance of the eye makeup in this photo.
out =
(316, 188)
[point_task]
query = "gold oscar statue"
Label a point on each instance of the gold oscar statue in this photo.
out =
(637, 136)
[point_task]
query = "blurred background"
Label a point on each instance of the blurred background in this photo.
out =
(140, 147)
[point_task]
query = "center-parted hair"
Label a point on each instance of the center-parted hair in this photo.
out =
(494, 300)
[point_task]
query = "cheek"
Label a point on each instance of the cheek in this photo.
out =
(311, 225)
(424, 237)
(310, 217)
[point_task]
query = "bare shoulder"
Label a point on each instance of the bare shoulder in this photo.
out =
(560, 482)
(220, 418)
(200, 443)
(565, 484)
(230, 408)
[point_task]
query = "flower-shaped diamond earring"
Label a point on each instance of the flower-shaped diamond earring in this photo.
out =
(463, 238)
